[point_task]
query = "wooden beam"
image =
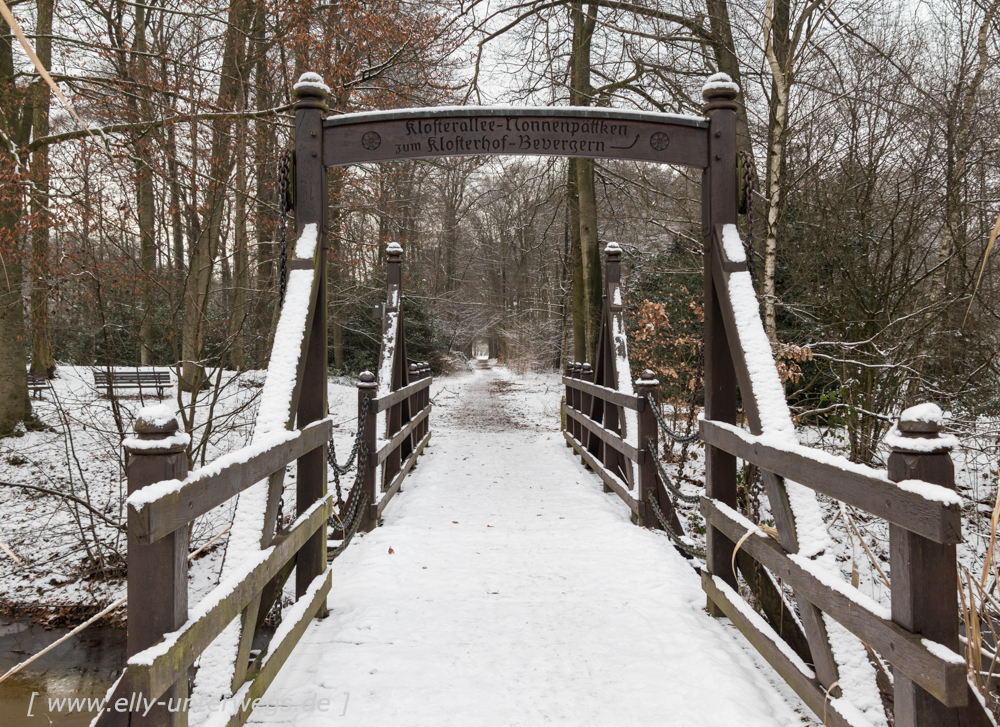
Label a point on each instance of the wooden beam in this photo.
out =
(398, 437)
(607, 436)
(858, 486)
(208, 487)
(904, 650)
(401, 475)
(384, 402)
(276, 659)
(612, 396)
(609, 479)
(155, 675)
(767, 644)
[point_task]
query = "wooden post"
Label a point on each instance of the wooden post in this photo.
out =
(310, 208)
(647, 386)
(567, 423)
(924, 573)
(719, 202)
(416, 405)
(157, 573)
(574, 402)
(394, 287)
(368, 387)
(586, 402)
(425, 399)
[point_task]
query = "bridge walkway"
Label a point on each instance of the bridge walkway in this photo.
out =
(505, 588)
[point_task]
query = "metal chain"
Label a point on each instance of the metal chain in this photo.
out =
(699, 383)
(283, 225)
(674, 489)
(748, 190)
(331, 454)
(358, 502)
(687, 548)
(666, 429)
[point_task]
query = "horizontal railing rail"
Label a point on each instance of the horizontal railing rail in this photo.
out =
(154, 670)
(159, 509)
(397, 439)
(384, 402)
(945, 678)
(928, 510)
(610, 438)
(612, 396)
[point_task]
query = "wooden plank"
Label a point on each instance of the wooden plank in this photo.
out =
(399, 436)
(608, 437)
(276, 659)
(594, 133)
(612, 396)
(609, 479)
(766, 642)
(401, 475)
(904, 650)
(867, 490)
(384, 402)
(161, 671)
(209, 487)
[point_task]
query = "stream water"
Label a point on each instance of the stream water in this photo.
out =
(81, 668)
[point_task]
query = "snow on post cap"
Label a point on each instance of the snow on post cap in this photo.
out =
(919, 429)
(310, 81)
(647, 378)
(158, 432)
(156, 419)
(926, 413)
(394, 248)
(719, 82)
(612, 247)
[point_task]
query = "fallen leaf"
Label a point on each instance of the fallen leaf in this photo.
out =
(455, 522)
(390, 551)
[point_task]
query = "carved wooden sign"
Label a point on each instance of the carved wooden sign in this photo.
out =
(381, 136)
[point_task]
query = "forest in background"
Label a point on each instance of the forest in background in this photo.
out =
(150, 237)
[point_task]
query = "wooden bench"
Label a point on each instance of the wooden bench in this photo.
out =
(107, 381)
(37, 383)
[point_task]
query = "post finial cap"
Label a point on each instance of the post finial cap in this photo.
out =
(310, 84)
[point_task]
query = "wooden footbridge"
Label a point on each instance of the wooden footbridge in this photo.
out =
(610, 421)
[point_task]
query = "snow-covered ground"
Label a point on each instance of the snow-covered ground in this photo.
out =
(81, 455)
(506, 588)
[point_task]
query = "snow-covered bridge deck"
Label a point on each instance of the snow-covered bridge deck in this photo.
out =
(505, 588)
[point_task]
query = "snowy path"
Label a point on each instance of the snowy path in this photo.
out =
(516, 593)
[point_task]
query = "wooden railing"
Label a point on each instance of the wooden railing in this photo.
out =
(397, 425)
(398, 453)
(614, 429)
(919, 635)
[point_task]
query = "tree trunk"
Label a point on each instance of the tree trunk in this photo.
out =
(579, 298)
(147, 242)
(590, 256)
(206, 245)
(781, 74)
(241, 266)
(41, 340)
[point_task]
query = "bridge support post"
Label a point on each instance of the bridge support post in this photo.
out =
(586, 404)
(719, 205)
(646, 387)
(310, 208)
(368, 387)
(157, 573)
(924, 573)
